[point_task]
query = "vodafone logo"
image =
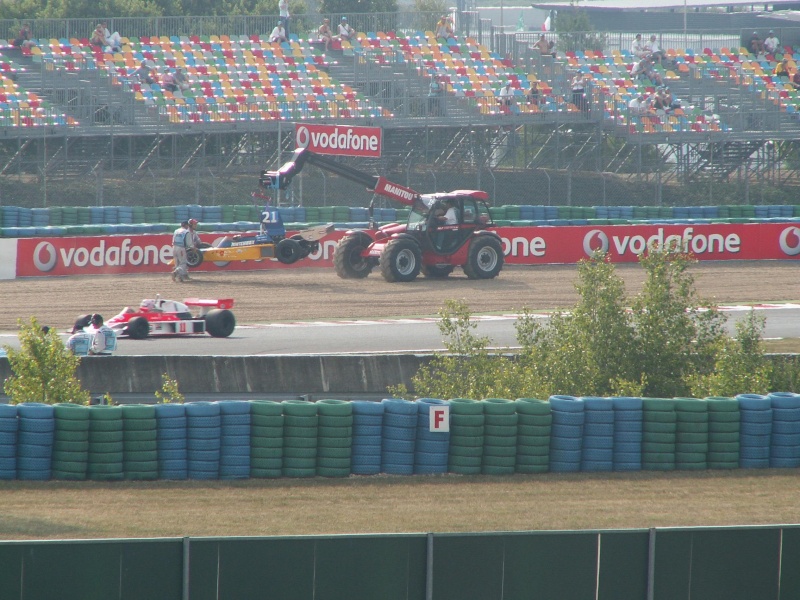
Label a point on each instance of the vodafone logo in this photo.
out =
(589, 244)
(790, 241)
(45, 256)
(303, 137)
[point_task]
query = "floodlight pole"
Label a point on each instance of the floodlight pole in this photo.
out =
(685, 37)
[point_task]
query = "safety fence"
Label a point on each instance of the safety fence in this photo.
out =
(735, 563)
(338, 438)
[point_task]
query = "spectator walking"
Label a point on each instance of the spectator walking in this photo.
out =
(283, 13)
(436, 95)
(181, 240)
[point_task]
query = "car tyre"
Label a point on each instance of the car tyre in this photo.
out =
(347, 258)
(138, 328)
(288, 251)
(220, 322)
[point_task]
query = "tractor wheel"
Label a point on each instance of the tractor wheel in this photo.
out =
(288, 251)
(220, 322)
(484, 258)
(194, 258)
(401, 260)
(437, 271)
(347, 257)
(138, 328)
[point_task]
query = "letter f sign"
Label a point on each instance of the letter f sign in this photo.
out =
(439, 418)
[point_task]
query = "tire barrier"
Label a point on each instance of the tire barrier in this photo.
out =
(203, 426)
(35, 441)
(723, 433)
(755, 431)
(628, 431)
(691, 436)
(9, 426)
(140, 442)
(106, 443)
(467, 428)
(597, 453)
(399, 436)
(499, 436)
(659, 434)
(431, 447)
(336, 438)
(367, 437)
(300, 438)
(234, 454)
(784, 450)
(71, 442)
(534, 425)
(266, 440)
(566, 441)
(172, 441)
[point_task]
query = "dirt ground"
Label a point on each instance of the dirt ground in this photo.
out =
(302, 294)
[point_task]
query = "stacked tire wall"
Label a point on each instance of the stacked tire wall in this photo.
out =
(336, 438)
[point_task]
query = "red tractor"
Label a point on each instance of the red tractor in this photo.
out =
(444, 230)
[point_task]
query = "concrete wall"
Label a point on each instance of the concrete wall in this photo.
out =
(349, 374)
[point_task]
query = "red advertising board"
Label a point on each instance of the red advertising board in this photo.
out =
(116, 254)
(343, 140)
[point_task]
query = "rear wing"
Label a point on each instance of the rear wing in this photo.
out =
(206, 303)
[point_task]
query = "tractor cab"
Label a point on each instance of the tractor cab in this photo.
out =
(446, 221)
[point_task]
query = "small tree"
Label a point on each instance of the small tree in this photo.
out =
(169, 392)
(44, 370)
(741, 366)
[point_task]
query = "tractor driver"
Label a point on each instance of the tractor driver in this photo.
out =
(450, 216)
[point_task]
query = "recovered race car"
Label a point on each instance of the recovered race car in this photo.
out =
(170, 317)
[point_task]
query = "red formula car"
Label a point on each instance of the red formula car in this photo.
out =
(170, 317)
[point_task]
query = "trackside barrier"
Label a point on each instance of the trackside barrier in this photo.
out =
(523, 245)
(735, 563)
(496, 436)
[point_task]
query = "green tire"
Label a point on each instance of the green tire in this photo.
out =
(105, 437)
(70, 426)
(340, 422)
(722, 404)
(71, 412)
(466, 440)
(660, 438)
(104, 447)
(336, 408)
(299, 408)
(536, 420)
(693, 428)
(468, 420)
(502, 420)
(467, 451)
(540, 450)
(532, 406)
(303, 453)
(100, 426)
(532, 469)
(266, 452)
(534, 430)
(266, 463)
(716, 428)
(499, 440)
(466, 406)
(270, 432)
(139, 425)
(691, 438)
(658, 405)
(138, 411)
(500, 430)
(334, 432)
(295, 472)
(103, 412)
(300, 442)
(657, 447)
(499, 406)
(140, 436)
(334, 442)
(500, 461)
(65, 446)
(323, 452)
(465, 470)
(105, 468)
(265, 408)
(139, 446)
(300, 432)
(267, 421)
(106, 458)
(140, 455)
(300, 421)
(333, 472)
(497, 470)
(62, 456)
(533, 460)
(266, 473)
(68, 475)
(299, 463)
(500, 451)
(464, 461)
(266, 442)
(334, 463)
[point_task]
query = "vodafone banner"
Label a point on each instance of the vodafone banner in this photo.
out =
(36, 257)
(339, 139)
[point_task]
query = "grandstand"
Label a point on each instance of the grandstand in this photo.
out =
(69, 110)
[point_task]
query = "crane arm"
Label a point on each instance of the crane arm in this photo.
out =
(281, 178)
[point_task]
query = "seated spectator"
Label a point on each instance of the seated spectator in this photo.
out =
(782, 68)
(444, 29)
(507, 100)
(113, 40)
(534, 96)
(653, 50)
(755, 44)
(638, 48)
(98, 37)
(180, 79)
(345, 31)
(278, 33)
(325, 33)
(661, 101)
(771, 43)
(796, 80)
(24, 38)
(638, 105)
(168, 82)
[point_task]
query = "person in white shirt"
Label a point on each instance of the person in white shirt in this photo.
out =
(507, 96)
(104, 340)
(113, 40)
(637, 47)
(638, 105)
(278, 34)
(181, 240)
(79, 343)
(283, 12)
(345, 31)
(653, 50)
(771, 43)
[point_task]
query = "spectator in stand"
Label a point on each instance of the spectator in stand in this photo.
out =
(638, 105)
(345, 31)
(325, 33)
(534, 96)
(772, 44)
(507, 101)
(782, 68)
(579, 92)
(796, 79)
(283, 13)
(180, 79)
(444, 29)
(661, 101)
(436, 96)
(755, 44)
(24, 38)
(653, 50)
(113, 40)
(638, 48)
(544, 47)
(278, 34)
(144, 74)
(98, 37)
(168, 82)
